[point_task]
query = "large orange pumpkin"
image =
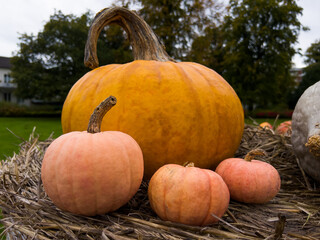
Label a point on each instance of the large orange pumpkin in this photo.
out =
(92, 172)
(176, 111)
(188, 195)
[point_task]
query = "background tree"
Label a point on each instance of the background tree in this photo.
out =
(178, 22)
(311, 73)
(48, 64)
(313, 53)
(311, 76)
(260, 37)
(208, 49)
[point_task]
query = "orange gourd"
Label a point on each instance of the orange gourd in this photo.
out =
(92, 172)
(249, 180)
(174, 110)
(188, 195)
(265, 125)
(284, 128)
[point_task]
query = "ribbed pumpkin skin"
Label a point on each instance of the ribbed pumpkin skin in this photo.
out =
(188, 195)
(177, 112)
(250, 181)
(92, 174)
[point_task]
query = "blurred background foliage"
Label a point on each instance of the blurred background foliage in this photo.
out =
(250, 43)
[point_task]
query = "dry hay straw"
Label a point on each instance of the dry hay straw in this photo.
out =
(293, 214)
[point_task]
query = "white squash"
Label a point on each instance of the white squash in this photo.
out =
(305, 136)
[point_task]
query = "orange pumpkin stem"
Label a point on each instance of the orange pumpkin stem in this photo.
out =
(253, 153)
(99, 112)
(145, 44)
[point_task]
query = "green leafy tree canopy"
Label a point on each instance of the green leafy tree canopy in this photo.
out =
(313, 53)
(311, 73)
(208, 49)
(49, 63)
(260, 37)
(178, 22)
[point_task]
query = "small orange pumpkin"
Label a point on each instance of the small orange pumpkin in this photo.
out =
(92, 172)
(265, 125)
(249, 180)
(188, 195)
(284, 128)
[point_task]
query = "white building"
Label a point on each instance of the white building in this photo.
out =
(7, 85)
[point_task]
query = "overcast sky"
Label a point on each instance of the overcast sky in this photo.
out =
(29, 16)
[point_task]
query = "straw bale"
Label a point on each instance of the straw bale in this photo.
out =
(294, 213)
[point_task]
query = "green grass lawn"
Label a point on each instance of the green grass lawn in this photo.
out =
(22, 128)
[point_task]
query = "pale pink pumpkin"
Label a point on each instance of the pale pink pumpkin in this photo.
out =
(249, 180)
(91, 173)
